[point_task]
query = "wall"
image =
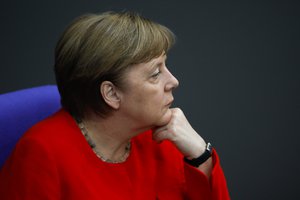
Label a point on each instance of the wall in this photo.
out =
(238, 67)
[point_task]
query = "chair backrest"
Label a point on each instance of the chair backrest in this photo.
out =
(20, 110)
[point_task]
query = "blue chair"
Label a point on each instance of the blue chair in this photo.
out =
(20, 110)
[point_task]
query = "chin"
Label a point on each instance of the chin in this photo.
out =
(165, 119)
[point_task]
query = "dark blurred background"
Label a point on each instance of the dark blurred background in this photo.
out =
(238, 67)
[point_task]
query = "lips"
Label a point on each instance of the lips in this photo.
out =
(170, 103)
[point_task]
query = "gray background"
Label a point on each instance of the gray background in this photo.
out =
(238, 64)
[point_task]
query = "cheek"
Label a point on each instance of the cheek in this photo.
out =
(151, 105)
(157, 100)
(159, 107)
(152, 95)
(150, 98)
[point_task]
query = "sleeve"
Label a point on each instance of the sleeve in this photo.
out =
(198, 186)
(29, 173)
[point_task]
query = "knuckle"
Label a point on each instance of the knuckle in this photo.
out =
(173, 129)
(178, 111)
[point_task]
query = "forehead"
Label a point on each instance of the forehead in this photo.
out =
(146, 66)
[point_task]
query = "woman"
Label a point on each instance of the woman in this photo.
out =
(116, 136)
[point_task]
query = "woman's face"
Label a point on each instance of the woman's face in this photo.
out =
(148, 93)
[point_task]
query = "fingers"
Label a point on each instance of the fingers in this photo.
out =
(161, 133)
(180, 132)
(176, 111)
(160, 136)
(167, 131)
(173, 129)
(160, 128)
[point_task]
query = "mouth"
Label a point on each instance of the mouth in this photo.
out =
(170, 103)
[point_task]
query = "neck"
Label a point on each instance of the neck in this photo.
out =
(110, 136)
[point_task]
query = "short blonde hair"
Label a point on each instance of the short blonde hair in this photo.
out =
(100, 47)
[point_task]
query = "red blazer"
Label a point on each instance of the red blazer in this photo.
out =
(54, 161)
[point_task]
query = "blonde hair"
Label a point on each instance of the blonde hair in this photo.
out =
(99, 47)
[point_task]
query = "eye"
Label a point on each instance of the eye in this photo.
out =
(156, 74)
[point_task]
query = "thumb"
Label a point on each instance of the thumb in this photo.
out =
(160, 134)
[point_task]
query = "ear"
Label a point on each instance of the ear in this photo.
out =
(110, 94)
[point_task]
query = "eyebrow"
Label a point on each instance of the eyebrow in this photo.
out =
(156, 64)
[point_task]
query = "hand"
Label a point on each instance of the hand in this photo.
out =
(181, 133)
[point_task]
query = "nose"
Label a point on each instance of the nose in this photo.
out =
(172, 82)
